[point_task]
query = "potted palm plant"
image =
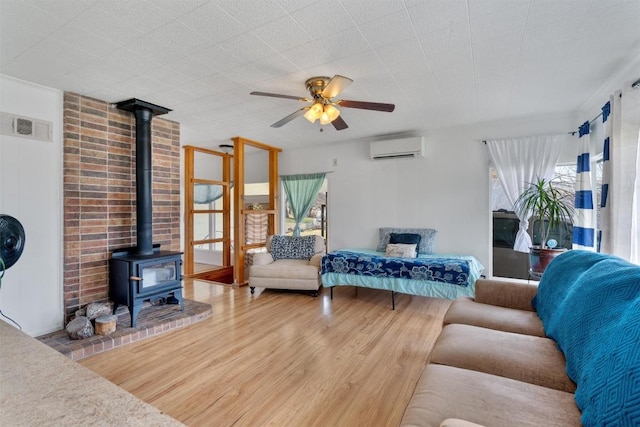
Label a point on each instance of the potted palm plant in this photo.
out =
(553, 206)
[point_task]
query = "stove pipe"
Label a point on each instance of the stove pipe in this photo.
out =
(143, 113)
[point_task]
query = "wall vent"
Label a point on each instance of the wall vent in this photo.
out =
(13, 125)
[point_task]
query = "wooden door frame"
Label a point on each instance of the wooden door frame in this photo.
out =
(272, 210)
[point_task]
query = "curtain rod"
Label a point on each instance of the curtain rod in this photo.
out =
(635, 84)
(484, 141)
(600, 115)
(590, 122)
(307, 173)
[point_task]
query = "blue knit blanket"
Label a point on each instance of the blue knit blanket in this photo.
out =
(589, 304)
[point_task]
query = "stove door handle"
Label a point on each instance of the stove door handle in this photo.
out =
(136, 278)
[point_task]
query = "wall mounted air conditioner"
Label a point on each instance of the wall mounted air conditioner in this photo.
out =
(11, 124)
(406, 148)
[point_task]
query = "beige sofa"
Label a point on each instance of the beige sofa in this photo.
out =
(291, 274)
(511, 356)
(492, 365)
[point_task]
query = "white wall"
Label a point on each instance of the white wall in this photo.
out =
(593, 107)
(628, 73)
(256, 165)
(448, 190)
(31, 191)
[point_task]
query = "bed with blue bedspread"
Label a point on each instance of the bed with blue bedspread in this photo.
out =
(431, 275)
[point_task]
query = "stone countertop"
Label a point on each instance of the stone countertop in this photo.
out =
(39, 386)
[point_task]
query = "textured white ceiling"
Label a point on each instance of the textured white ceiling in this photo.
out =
(441, 62)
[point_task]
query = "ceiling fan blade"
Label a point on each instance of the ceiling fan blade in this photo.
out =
(339, 123)
(278, 95)
(377, 106)
(336, 85)
(289, 117)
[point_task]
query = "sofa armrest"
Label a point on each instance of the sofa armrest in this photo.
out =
(506, 293)
(316, 260)
(262, 258)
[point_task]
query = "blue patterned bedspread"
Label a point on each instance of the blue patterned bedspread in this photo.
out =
(438, 269)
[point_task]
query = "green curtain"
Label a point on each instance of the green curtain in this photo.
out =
(301, 190)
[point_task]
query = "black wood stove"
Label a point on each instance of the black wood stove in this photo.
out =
(144, 272)
(138, 278)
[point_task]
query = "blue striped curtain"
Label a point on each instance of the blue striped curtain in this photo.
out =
(583, 230)
(606, 176)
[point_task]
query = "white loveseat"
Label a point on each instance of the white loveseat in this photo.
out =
(287, 273)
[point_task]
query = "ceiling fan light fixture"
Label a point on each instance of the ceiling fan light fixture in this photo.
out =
(314, 113)
(324, 119)
(309, 115)
(331, 112)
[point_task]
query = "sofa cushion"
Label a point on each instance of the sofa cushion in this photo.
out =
(446, 392)
(506, 293)
(283, 283)
(534, 360)
(292, 247)
(466, 311)
(590, 304)
(286, 269)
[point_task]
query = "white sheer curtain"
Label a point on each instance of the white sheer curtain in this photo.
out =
(620, 217)
(519, 162)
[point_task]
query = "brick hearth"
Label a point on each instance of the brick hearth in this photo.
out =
(153, 320)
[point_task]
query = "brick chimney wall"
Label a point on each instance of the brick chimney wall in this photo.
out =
(100, 193)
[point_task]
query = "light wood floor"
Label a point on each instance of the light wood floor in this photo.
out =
(283, 359)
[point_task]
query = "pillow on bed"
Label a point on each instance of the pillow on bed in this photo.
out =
(427, 238)
(401, 250)
(406, 238)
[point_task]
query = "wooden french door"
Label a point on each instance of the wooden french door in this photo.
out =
(207, 220)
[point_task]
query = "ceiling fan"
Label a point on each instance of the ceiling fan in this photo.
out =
(323, 90)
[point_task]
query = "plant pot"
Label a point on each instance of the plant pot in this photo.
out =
(540, 258)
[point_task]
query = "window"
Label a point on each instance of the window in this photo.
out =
(316, 219)
(565, 177)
